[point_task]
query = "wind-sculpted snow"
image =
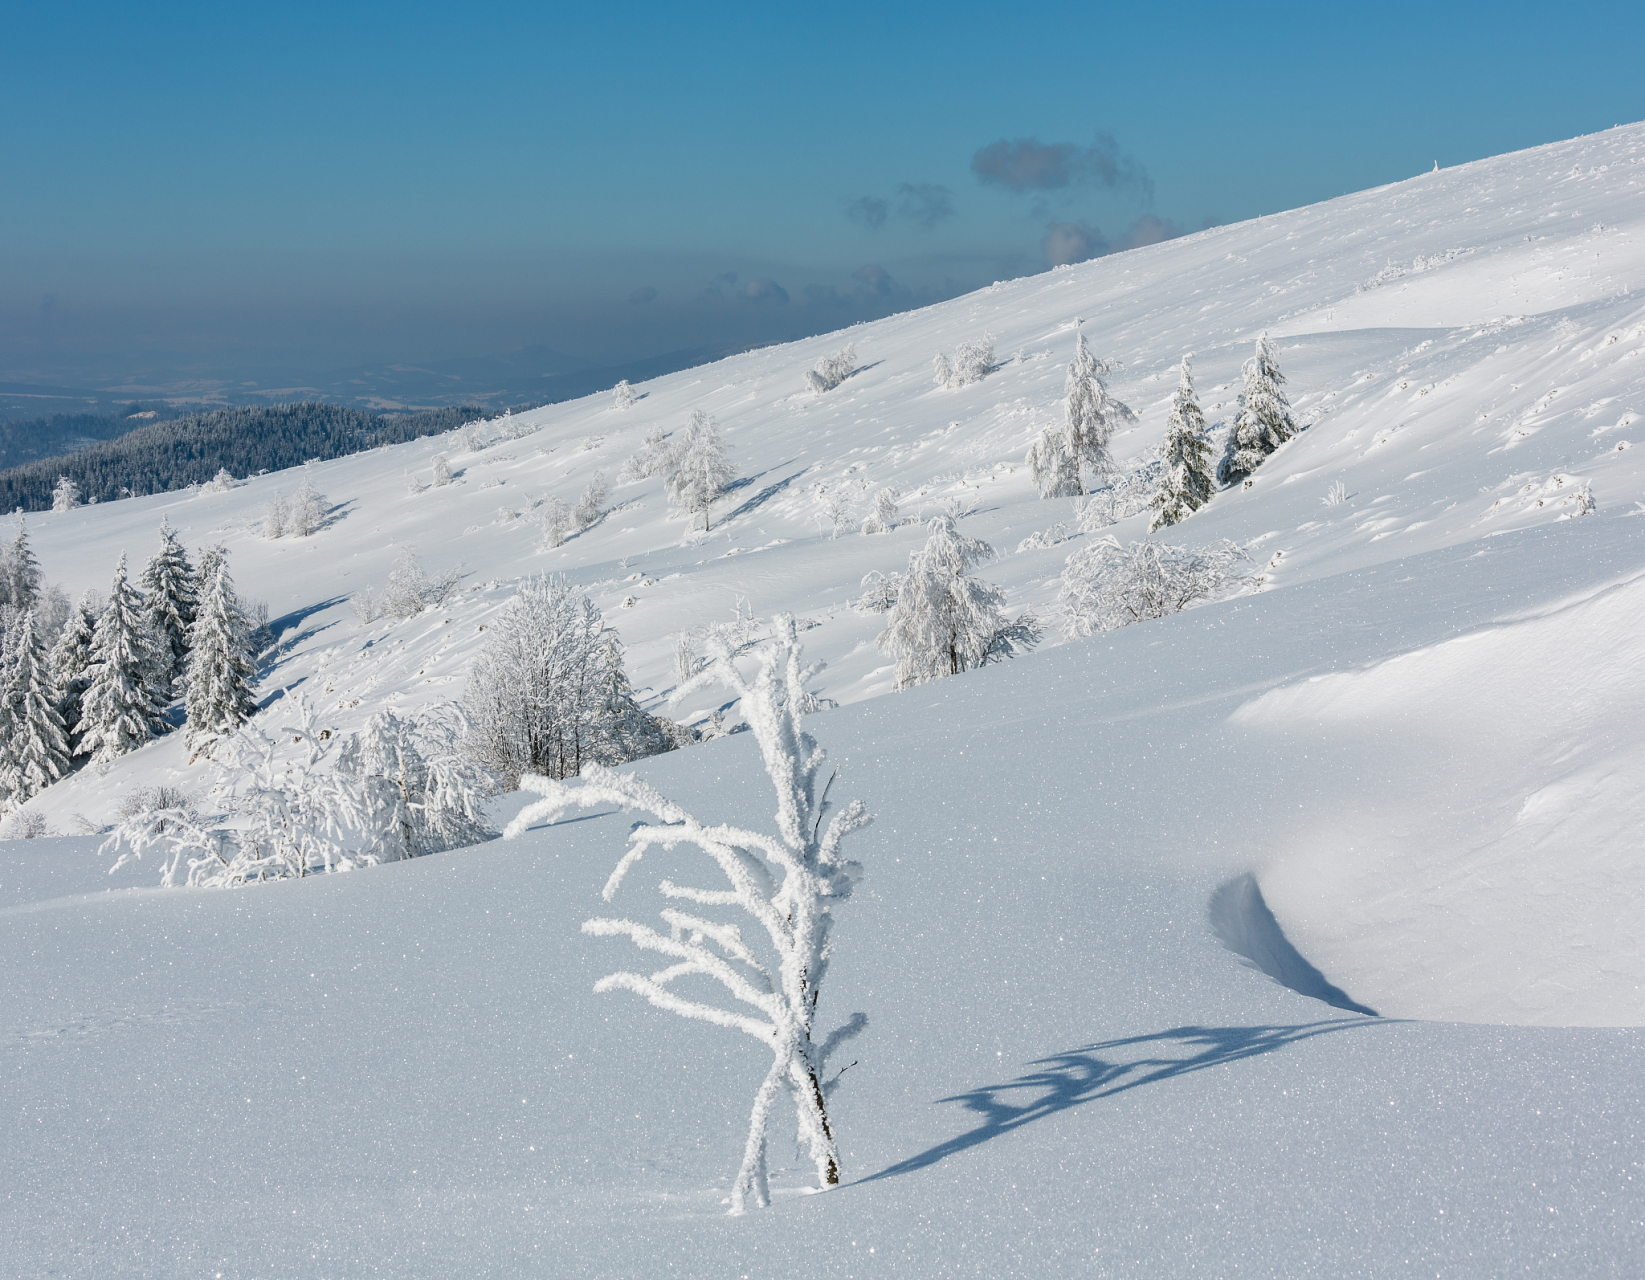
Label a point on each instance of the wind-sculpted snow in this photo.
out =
(1415, 724)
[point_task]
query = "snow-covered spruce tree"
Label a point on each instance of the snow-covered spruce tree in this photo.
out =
(946, 620)
(534, 699)
(589, 506)
(622, 395)
(219, 668)
(883, 518)
(1264, 422)
(1055, 466)
(788, 882)
(117, 710)
(1187, 480)
(168, 598)
(71, 661)
(35, 752)
(1092, 414)
(1106, 585)
(700, 472)
(21, 579)
(832, 370)
(66, 496)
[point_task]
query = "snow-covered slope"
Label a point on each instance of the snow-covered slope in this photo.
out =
(1420, 735)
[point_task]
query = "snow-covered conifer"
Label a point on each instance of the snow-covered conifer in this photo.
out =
(1187, 480)
(70, 662)
(622, 395)
(1265, 420)
(832, 370)
(883, 518)
(35, 752)
(1092, 414)
(1055, 466)
(628, 732)
(117, 711)
(168, 597)
(22, 579)
(217, 678)
(700, 472)
(66, 496)
(589, 509)
(788, 882)
(946, 620)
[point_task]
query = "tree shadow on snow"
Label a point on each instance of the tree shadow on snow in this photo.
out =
(1099, 1071)
(764, 495)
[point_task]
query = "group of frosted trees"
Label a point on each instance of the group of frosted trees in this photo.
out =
(95, 684)
(693, 466)
(1060, 456)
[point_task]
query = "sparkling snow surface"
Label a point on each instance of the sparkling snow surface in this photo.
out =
(1420, 734)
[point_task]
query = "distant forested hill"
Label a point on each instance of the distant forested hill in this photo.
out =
(190, 450)
(47, 436)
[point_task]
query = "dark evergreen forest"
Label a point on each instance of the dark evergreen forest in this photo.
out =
(190, 450)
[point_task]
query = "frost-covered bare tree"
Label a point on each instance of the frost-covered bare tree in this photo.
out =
(589, 506)
(832, 370)
(1107, 585)
(1091, 413)
(654, 457)
(277, 516)
(946, 619)
(879, 592)
(972, 362)
(788, 883)
(1187, 479)
(622, 395)
(308, 508)
(1055, 466)
(410, 590)
(883, 518)
(1264, 422)
(555, 523)
(699, 473)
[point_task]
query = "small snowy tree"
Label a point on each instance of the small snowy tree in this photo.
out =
(117, 710)
(622, 395)
(410, 590)
(1264, 422)
(879, 592)
(883, 518)
(35, 751)
(169, 599)
(789, 883)
(219, 670)
(700, 472)
(20, 577)
(442, 471)
(222, 482)
(277, 516)
(946, 620)
(71, 659)
(654, 457)
(1092, 414)
(556, 523)
(1106, 585)
(66, 496)
(832, 370)
(1186, 480)
(972, 362)
(1056, 468)
(308, 508)
(589, 506)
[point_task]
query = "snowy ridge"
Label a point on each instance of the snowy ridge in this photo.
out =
(1417, 730)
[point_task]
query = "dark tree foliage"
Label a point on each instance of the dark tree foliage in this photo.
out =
(173, 455)
(59, 433)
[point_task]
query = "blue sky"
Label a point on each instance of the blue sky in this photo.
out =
(242, 187)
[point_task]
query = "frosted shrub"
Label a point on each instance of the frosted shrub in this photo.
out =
(837, 509)
(410, 590)
(442, 471)
(1055, 466)
(972, 362)
(414, 486)
(1050, 538)
(879, 592)
(655, 457)
(66, 496)
(589, 508)
(25, 825)
(1107, 585)
(222, 482)
(517, 428)
(788, 882)
(1336, 495)
(686, 661)
(883, 518)
(622, 395)
(474, 437)
(832, 370)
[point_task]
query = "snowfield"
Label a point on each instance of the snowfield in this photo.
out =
(1417, 726)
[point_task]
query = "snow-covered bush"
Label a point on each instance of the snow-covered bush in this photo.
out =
(972, 362)
(654, 457)
(837, 507)
(788, 883)
(1186, 480)
(66, 496)
(410, 590)
(26, 824)
(686, 661)
(442, 471)
(1057, 533)
(399, 789)
(1264, 422)
(414, 486)
(883, 518)
(879, 592)
(622, 395)
(698, 472)
(947, 620)
(474, 436)
(1107, 585)
(222, 482)
(832, 370)
(1336, 495)
(589, 506)
(548, 694)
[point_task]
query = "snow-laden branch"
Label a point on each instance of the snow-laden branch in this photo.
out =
(787, 882)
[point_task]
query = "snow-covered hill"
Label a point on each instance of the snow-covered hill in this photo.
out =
(1419, 734)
